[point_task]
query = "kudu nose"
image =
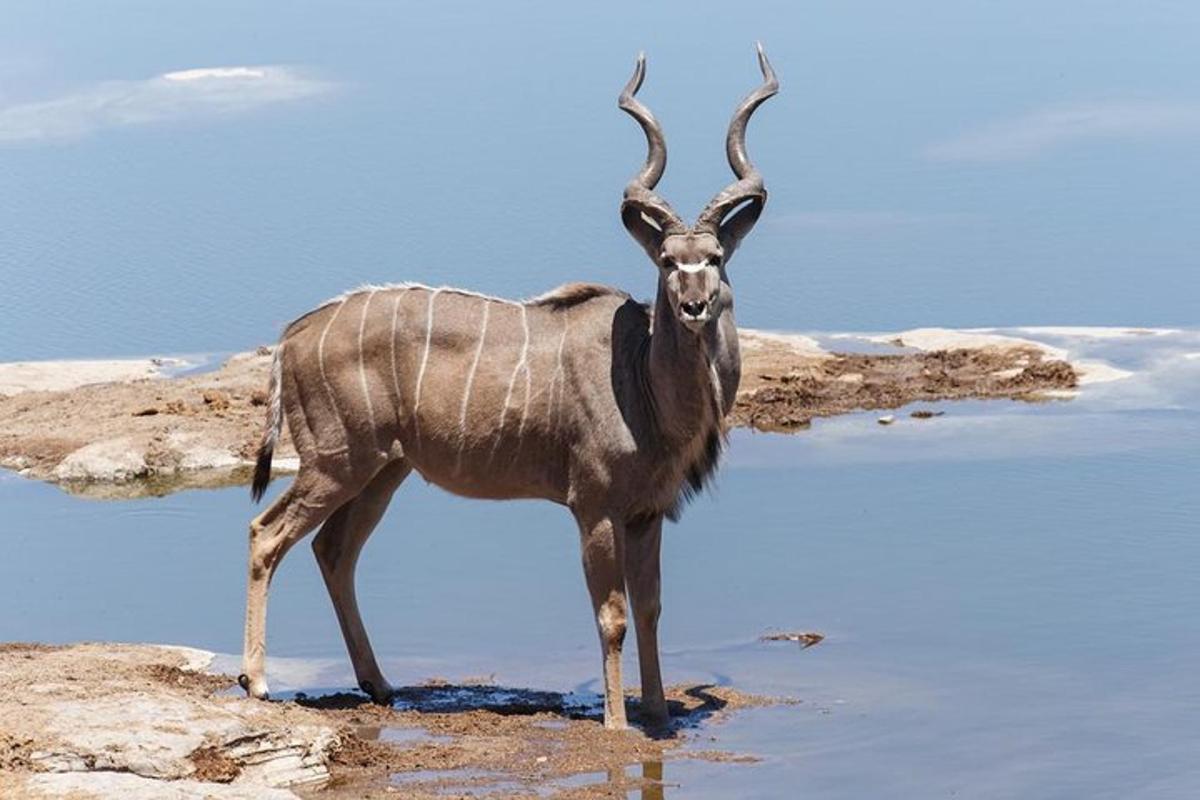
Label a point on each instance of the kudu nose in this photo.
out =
(694, 309)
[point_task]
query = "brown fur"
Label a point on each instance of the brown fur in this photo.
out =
(581, 396)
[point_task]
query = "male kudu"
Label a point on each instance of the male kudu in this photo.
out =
(580, 396)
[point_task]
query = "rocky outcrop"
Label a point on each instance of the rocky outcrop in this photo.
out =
(139, 437)
(142, 721)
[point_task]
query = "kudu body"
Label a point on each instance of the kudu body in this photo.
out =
(581, 396)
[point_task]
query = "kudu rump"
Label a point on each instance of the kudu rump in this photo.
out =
(580, 396)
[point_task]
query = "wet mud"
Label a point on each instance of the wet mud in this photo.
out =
(784, 393)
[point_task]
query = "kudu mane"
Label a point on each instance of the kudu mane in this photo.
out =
(572, 294)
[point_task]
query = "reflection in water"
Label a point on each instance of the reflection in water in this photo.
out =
(619, 779)
(649, 780)
(652, 780)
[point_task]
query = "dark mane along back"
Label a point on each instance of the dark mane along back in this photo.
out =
(572, 294)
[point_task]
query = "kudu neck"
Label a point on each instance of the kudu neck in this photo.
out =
(693, 377)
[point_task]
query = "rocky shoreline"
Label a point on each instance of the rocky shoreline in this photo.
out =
(148, 721)
(144, 433)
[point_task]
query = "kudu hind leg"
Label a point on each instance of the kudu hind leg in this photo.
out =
(303, 506)
(602, 543)
(337, 547)
(643, 543)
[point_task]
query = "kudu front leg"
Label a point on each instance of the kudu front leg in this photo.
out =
(302, 507)
(602, 543)
(643, 543)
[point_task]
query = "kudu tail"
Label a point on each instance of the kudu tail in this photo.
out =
(274, 424)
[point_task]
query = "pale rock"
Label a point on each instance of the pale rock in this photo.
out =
(113, 460)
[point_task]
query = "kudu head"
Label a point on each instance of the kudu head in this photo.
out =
(691, 260)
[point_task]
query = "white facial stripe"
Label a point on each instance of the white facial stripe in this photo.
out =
(692, 268)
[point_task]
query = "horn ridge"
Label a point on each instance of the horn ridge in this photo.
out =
(639, 192)
(749, 183)
(656, 155)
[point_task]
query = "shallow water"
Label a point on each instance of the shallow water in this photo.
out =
(1008, 594)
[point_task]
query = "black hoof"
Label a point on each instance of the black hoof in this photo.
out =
(244, 682)
(369, 689)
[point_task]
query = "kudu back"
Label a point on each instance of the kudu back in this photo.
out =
(580, 396)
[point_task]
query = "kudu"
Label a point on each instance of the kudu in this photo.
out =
(580, 396)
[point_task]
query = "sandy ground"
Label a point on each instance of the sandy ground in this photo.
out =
(57, 376)
(140, 721)
(133, 435)
(141, 437)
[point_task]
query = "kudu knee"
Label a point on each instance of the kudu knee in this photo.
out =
(610, 619)
(259, 561)
(266, 548)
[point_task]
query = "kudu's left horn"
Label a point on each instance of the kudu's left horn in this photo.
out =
(748, 189)
(640, 198)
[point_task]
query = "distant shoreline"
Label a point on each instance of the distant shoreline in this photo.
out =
(125, 428)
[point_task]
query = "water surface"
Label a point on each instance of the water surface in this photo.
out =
(480, 145)
(1008, 594)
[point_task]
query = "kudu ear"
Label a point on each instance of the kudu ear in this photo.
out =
(735, 227)
(643, 229)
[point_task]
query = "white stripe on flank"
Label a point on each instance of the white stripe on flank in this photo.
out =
(528, 377)
(558, 382)
(321, 360)
(462, 414)
(362, 367)
(424, 362)
(512, 381)
(395, 374)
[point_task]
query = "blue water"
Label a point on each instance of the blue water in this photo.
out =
(480, 146)
(1007, 592)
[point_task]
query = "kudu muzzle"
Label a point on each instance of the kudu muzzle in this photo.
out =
(695, 293)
